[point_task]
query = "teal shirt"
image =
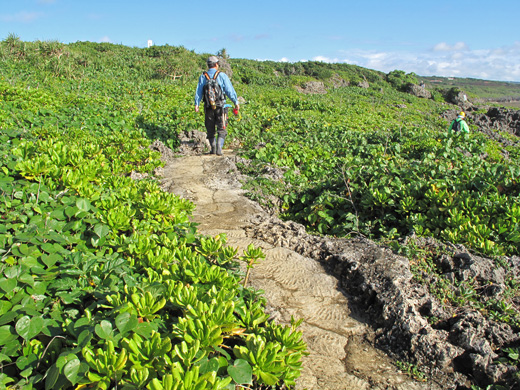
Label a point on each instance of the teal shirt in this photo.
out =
(464, 128)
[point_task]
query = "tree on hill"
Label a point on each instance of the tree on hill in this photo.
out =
(400, 80)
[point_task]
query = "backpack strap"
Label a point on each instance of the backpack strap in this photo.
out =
(214, 76)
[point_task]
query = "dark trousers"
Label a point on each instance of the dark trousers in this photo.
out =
(215, 122)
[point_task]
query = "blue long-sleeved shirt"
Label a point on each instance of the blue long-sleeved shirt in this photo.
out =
(223, 81)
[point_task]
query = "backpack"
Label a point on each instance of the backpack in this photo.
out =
(456, 126)
(213, 95)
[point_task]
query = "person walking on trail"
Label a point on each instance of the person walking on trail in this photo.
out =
(213, 87)
(459, 125)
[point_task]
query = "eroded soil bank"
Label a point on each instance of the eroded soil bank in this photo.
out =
(352, 294)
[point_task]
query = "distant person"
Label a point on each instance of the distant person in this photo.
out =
(215, 110)
(459, 125)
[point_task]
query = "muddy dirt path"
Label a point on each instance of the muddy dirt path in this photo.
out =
(340, 357)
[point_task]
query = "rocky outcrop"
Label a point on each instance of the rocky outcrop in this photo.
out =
(418, 90)
(192, 142)
(457, 97)
(363, 84)
(338, 81)
(380, 284)
(498, 119)
(312, 87)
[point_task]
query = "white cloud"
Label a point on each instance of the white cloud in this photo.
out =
(446, 60)
(23, 17)
(326, 59)
(105, 39)
(443, 46)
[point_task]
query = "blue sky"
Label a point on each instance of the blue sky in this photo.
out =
(479, 39)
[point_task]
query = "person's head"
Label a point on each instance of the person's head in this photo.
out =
(212, 62)
(462, 115)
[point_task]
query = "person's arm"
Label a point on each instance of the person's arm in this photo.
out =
(465, 127)
(198, 92)
(451, 127)
(228, 89)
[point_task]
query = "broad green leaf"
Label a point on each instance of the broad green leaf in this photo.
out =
(71, 370)
(104, 330)
(7, 334)
(97, 242)
(8, 285)
(211, 365)
(12, 348)
(39, 288)
(4, 379)
(54, 236)
(30, 262)
(49, 248)
(53, 374)
(29, 327)
(268, 378)
(5, 306)
(23, 237)
(58, 214)
(145, 329)
(51, 259)
(241, 372)
(126, 322)
(71, 211)
(70, 297)
(26, 278)
(83, 204)
(25, 249)
(84, 338)
(26, 373)
(24, 361)
(101, 230)
(64, 359)
(8, 317)
(44, 196)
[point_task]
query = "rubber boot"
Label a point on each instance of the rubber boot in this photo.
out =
(220, 145)
(213, 145)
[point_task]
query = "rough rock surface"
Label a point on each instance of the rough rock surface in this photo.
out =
(496, 122)
(418, 91)
(339, 82)
(353, 291)
(364, 84)
(499, 119)
(458, 98)
(313, 87)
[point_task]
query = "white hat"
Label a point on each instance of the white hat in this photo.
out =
(212, 60)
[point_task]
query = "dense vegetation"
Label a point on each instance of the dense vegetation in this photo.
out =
(104, 281)
(99, 271)
(381, 163)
